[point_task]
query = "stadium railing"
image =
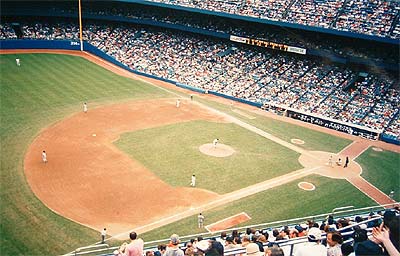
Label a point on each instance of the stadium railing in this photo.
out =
(345, 212)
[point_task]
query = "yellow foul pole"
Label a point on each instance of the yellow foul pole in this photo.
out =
(80, 24)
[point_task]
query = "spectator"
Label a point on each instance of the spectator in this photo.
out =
(222, 237)
(313, 246)
(189, 251)
(274, 251)
(211, 248)
(161, 249)
(387, 235)
(230, 244)
(334, 240)
(173, 247)
(245, 240)
(135, 247)
(149, 253)
(347, 249)
(252, 249)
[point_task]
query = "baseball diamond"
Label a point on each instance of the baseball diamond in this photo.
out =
(167, 120)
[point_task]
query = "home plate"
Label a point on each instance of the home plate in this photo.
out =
(94, 134)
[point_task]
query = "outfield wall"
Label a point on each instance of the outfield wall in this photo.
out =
(292, 113)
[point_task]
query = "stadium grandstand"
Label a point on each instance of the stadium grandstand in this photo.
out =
(327, 63)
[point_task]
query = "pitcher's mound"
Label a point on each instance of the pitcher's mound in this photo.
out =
(220, 150)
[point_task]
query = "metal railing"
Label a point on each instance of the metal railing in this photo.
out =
(346, 211)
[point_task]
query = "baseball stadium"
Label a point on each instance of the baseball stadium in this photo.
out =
(201, 127)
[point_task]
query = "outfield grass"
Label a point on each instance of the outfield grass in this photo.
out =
(47, 88)
(256, 158)
(382, 170)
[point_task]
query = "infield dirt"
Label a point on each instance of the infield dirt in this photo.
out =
(88, 180)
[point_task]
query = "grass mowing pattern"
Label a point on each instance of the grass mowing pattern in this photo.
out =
(177, 155)
(44, 89)
(284, 202)
(382, 170)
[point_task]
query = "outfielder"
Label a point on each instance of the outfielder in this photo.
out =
(18, 62)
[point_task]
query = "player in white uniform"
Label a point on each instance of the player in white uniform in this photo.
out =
(215, 142)
(193, 182)
(178, 103)
(44, 156)
(18, 62)
(85, 108)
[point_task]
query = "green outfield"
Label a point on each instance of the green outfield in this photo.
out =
(50, 87)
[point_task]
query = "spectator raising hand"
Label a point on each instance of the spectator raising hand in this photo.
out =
(381, 235)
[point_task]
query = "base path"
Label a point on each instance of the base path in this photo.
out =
(88, 180)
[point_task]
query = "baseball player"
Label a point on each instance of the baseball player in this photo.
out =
(200, 220)
(103, 235)
(215, 142)
(44, 156)
(178, 103)
(18, 62)
(85, 107)
(330, 163)
(193, 182)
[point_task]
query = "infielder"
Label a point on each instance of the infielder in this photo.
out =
(85, 108)
(178, 103)
(44, 156)
(330, 163)
(215, 142)
(193, 182)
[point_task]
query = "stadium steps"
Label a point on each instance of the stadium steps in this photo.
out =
(394, 119)
(285, 13)
(327, 96)
(316, 82)
(394, 23)
(340, 12)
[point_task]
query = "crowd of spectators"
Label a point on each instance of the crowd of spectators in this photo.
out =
(241, 28)
(376, 233)
(7, 32)
(368, 17)
(51, 31)
(376, 17)
(267, 77)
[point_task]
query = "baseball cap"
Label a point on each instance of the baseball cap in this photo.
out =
(314, 234)
(203, 245)
(175, 239)
(253, 250)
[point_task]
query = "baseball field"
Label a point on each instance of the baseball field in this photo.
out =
(126, 164)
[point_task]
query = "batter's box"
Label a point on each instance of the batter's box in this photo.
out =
(228, 222)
